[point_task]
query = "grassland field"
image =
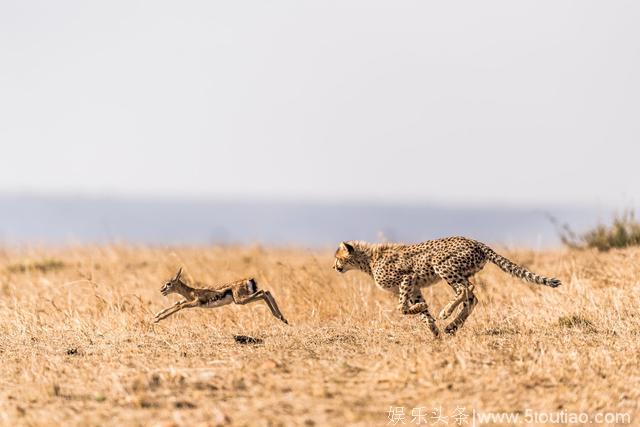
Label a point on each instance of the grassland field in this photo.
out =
(78, 346)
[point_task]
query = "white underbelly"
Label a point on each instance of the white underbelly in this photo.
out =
(223, 301)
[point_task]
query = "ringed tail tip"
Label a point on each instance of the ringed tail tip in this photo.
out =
(554, 283)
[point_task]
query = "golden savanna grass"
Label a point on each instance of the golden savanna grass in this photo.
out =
(78, 347)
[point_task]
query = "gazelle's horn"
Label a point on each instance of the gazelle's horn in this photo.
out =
(178, 274)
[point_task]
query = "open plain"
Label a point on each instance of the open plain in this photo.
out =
(78, 346)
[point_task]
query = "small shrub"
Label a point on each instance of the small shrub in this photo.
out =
(43, 266)
(501, 330)
(624, 231)
(576, 321)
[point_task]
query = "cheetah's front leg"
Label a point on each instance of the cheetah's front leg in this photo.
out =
(417, 298)
(412, 302)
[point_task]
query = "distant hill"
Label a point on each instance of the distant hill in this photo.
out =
(60, 220)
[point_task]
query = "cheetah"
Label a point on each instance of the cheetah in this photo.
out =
(405, 269)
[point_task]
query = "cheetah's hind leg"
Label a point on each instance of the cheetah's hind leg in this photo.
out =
(461, 295)
(467, 308)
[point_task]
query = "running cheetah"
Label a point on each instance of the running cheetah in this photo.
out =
(404, 269)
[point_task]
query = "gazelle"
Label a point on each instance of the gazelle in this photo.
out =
(239, 292)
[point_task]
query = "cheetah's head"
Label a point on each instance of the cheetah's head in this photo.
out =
(172, 285)
(345, 258)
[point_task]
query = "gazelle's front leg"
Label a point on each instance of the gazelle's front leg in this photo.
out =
(175, 309)
(161, 312)
(266, 297)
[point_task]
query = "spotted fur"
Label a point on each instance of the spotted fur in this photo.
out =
(405, 269)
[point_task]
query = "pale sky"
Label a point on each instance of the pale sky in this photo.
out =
(454, 102)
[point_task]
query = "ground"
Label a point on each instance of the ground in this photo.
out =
(78, 347)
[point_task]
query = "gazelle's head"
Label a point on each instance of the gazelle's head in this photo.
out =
(172, 285)
(345, 258)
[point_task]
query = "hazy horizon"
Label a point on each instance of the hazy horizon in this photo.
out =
(166, 221)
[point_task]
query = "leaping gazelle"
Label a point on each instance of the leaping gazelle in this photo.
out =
(239, 292)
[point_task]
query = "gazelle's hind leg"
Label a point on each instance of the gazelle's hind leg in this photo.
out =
(275, 310)
(266, 297)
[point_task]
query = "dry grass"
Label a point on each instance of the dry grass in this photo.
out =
(78, 347)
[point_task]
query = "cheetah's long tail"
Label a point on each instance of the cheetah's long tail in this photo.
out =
(518, 271)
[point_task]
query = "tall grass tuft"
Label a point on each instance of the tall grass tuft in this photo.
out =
(624, 231)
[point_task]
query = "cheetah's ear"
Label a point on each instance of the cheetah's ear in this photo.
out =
(347, 247)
